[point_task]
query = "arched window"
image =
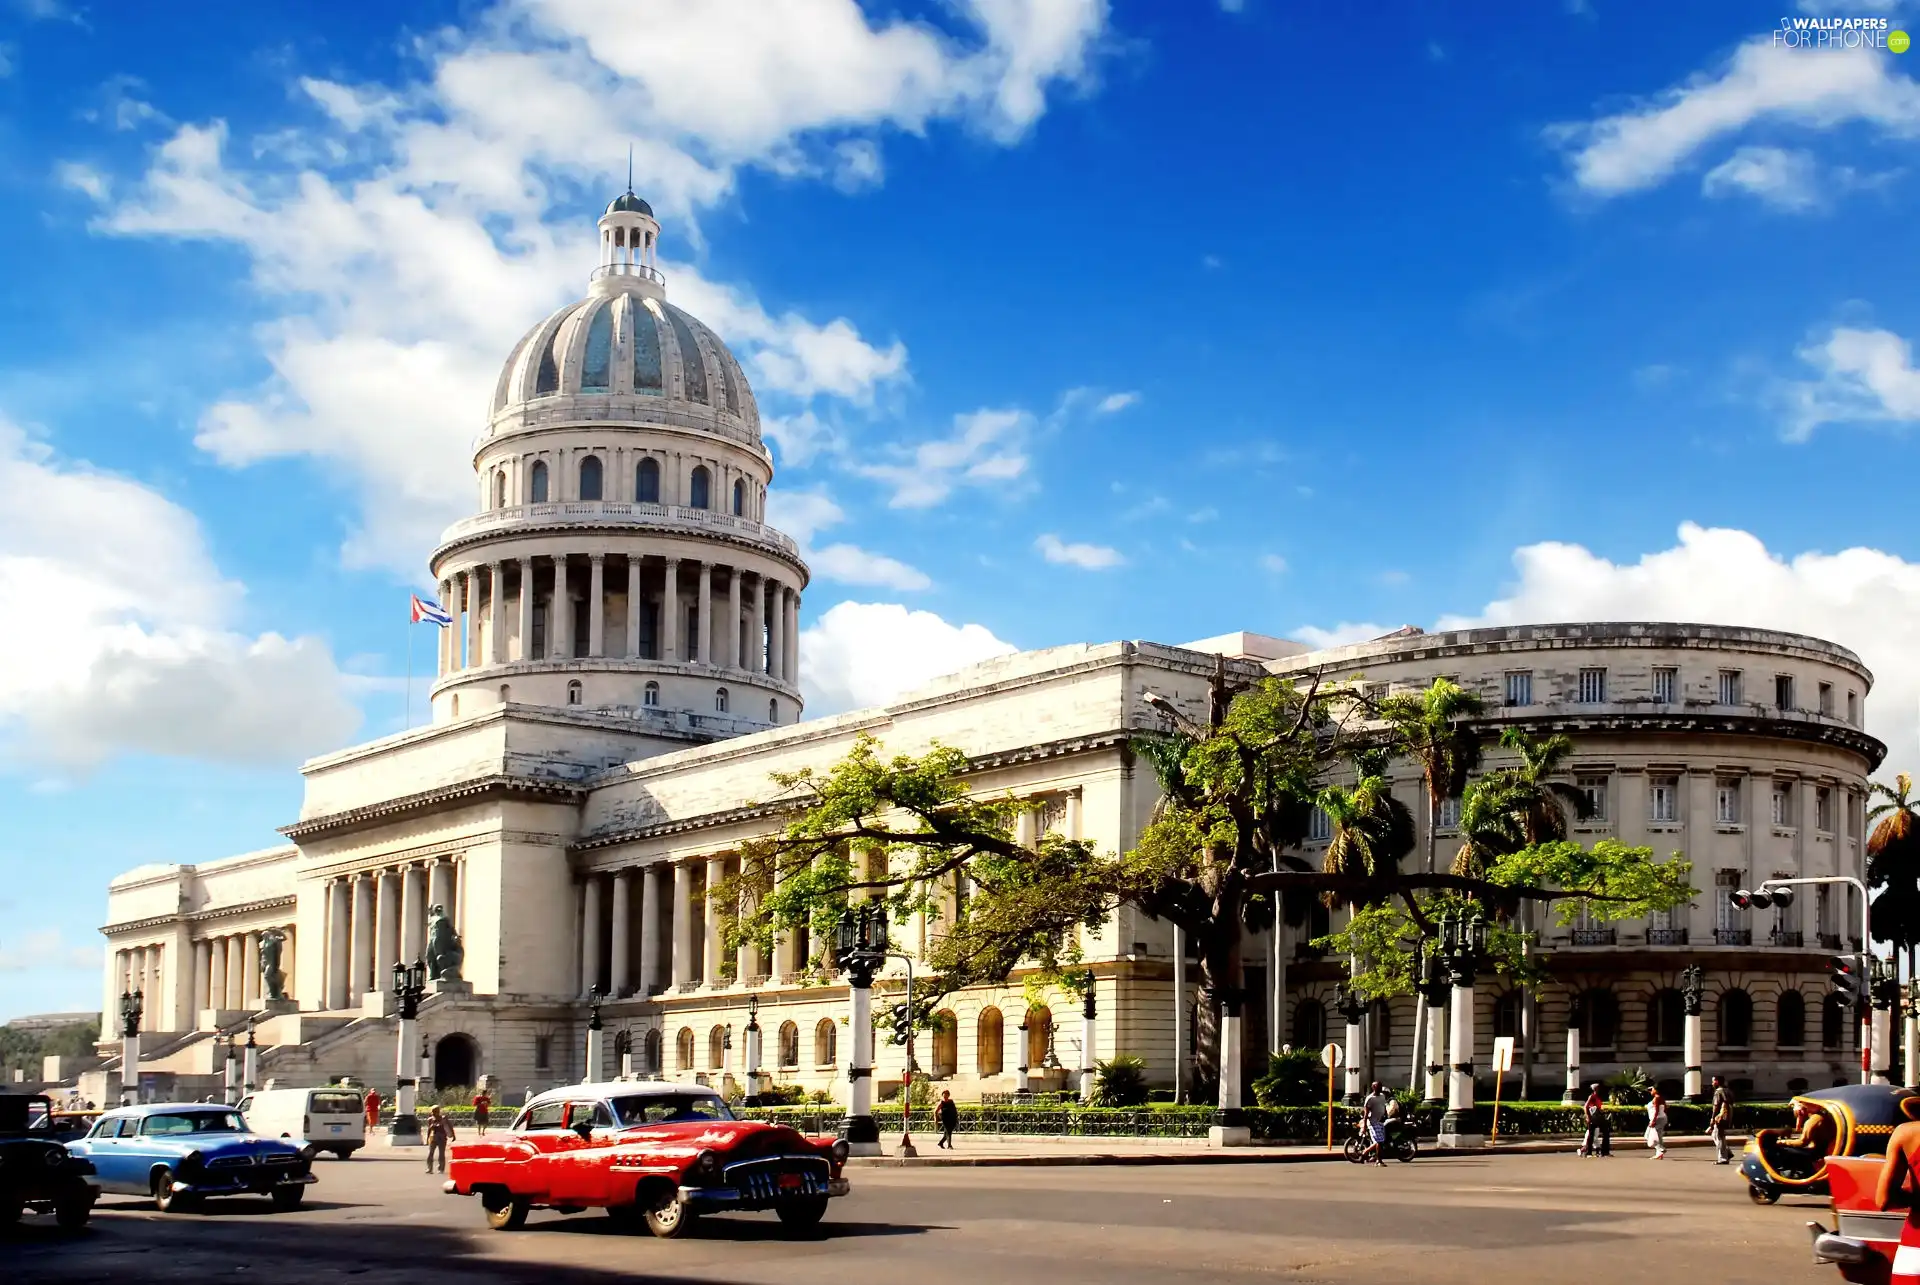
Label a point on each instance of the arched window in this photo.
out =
(573, 692)
(646, 348)
(946, 1044)
(1039, 1035)
(590, 478)
(716, 1048)
(646, 482)
(1790, 1020)
(683, 1049)
(548, 379)
(506, 693)
(1666, 1020)
(826, 1036)
(650, 695)
(700, 494)
(1734, 1018)
(456, 705)
(739, 497)
(1309, 1024)
(720, 700)
(650, 1058)
(789, 1044)
(1833, 1023)
(499, 488)
(1599, 1019)
(1380, 1015)
(537, 483)
(990, 1042)
(773, 711)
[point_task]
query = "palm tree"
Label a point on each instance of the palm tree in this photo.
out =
(1440, 738)
(1370, 830)
(1518, 807)
(1893, 864)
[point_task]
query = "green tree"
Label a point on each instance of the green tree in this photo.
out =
(1893, 863)
(1516, 807)
(1436, 730)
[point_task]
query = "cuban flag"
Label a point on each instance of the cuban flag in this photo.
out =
(428, 609)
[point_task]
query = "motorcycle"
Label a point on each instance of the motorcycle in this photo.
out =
(1400, 1144)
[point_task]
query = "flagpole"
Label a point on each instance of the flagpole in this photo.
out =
(409, 672)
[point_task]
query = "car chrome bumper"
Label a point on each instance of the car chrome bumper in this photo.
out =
(242, 1188)
(701, 1199)
(1832, 1247)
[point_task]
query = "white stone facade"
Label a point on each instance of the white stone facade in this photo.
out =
(583, 781)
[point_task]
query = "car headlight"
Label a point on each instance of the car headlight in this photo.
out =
(840, 1150)
(192, 1160)
(707, 1164)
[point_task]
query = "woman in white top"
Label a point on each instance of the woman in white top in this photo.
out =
(1657, 1125)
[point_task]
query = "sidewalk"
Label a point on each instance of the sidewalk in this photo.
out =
(990, 1151)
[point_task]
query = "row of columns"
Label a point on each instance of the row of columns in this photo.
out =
(765, 641)
(377, 918)
(226, 970)
(140, 968)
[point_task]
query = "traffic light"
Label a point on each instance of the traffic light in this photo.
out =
(902, 1023)
(1762, 898)
(1843, 971)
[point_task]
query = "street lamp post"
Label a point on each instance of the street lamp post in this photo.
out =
(1023, 1084)
(132, 1004)
(1087, 1013)
(1884, 993)
(1910, 1033)
(230, 1072)
(1435, 991)
(1463, 941)
(1574, 1014)
(1350, 1006)
(860, 951)
(250, 1066)
(409, 987)
(1692, 989)
(753, 1051)
(596, 1034)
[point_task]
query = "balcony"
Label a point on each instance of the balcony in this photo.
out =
(1733, 936)
(1666, 936)
(1792, 941)
(1829, 941)
(674, 518)
(1593, 936)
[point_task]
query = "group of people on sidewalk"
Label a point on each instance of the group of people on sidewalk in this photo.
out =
(1599, 1137)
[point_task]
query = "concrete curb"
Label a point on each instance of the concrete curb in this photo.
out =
(1250, 1156)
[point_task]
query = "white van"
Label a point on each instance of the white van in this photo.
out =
(329, 1119)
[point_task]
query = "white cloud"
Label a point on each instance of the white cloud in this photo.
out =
(1644, 145)
(412, 234)
(1273, 562)
(859, 654)
(802, 514)
(986, 447)
(1781, 178)
(45, 949)
(1088, 557)
(82, 178)
(1862, 376)
(1116, 402)
(130, 648)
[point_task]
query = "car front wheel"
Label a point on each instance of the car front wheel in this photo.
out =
(73, 1212)
(165, 1198)
(505, 1213)
(288, 1197)
(802, 1214)
(10, 1212)
(667, 1218)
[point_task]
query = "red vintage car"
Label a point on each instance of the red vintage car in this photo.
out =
(647, 1152)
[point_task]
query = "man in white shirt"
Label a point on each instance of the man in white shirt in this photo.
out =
(1373, 1112)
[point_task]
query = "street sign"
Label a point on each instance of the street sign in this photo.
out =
(1503, 1053)
(1330, 1055)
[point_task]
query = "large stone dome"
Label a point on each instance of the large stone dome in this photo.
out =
(625, 354)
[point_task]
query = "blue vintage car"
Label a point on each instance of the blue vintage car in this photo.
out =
(180, 1153)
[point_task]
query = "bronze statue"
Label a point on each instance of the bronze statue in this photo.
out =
(272, 940)
(444, 951)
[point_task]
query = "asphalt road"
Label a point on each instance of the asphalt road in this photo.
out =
(1434, 1222)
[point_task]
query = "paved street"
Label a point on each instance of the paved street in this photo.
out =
(1438, 1221)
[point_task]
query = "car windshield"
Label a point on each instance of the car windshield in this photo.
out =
(670, 1108)
(170, 1123)
(20, 1114)
(336, 1104)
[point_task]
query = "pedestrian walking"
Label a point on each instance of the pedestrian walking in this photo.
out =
(373, 1109)
(1373, 1113)
(482, 1104)
(1717, 1122)
(1599, 1139)
(439, 1133)
(1657, 1125)
(948, 1116)
(1897, 1177)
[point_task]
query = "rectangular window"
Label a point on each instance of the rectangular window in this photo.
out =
(1783, 803)
(1823, 810)
(1595, 788)
(1319, 825)
(1520, 687)
(1449, 818)
(1853, 708)
(1783, 691)
(1665, 680)
(1787, 919)
(1826, 699)
(1823, 909)
(1663, 798)
(1731, 918)
(1727, 802)
(1593, 686)
(1729, 687)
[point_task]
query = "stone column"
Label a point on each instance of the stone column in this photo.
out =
(793, 649)
(621, 965)
(590, 934)
(362, 939)
(336, 945)
(413, 914)
(710, 971)
(1436, 1041)
(1882, 1053)
(1573, 1093)
(777, 631)
(1460, 1046)
(216, 973)
(250, 962)
(703, 589)
(237, 968)
(445, 636)
(597, 604)
(202, 973)
(733, 654)
(496, 613)
(633, 606)
(670, 612)
(524, 612)
(1690, 1072)
(656, 921)
(386, 929)
(756, 658)
(476, 657)
(560, 613)
(685, 946)
(440, 887)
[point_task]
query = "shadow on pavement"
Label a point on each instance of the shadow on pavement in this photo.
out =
(732, 1227)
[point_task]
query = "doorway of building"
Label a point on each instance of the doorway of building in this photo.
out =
(455, 1059)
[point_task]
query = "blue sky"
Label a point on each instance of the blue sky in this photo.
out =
(1071, 320)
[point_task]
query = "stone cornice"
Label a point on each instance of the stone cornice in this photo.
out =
(1811, 730)
(259, 904)
(486, 787)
